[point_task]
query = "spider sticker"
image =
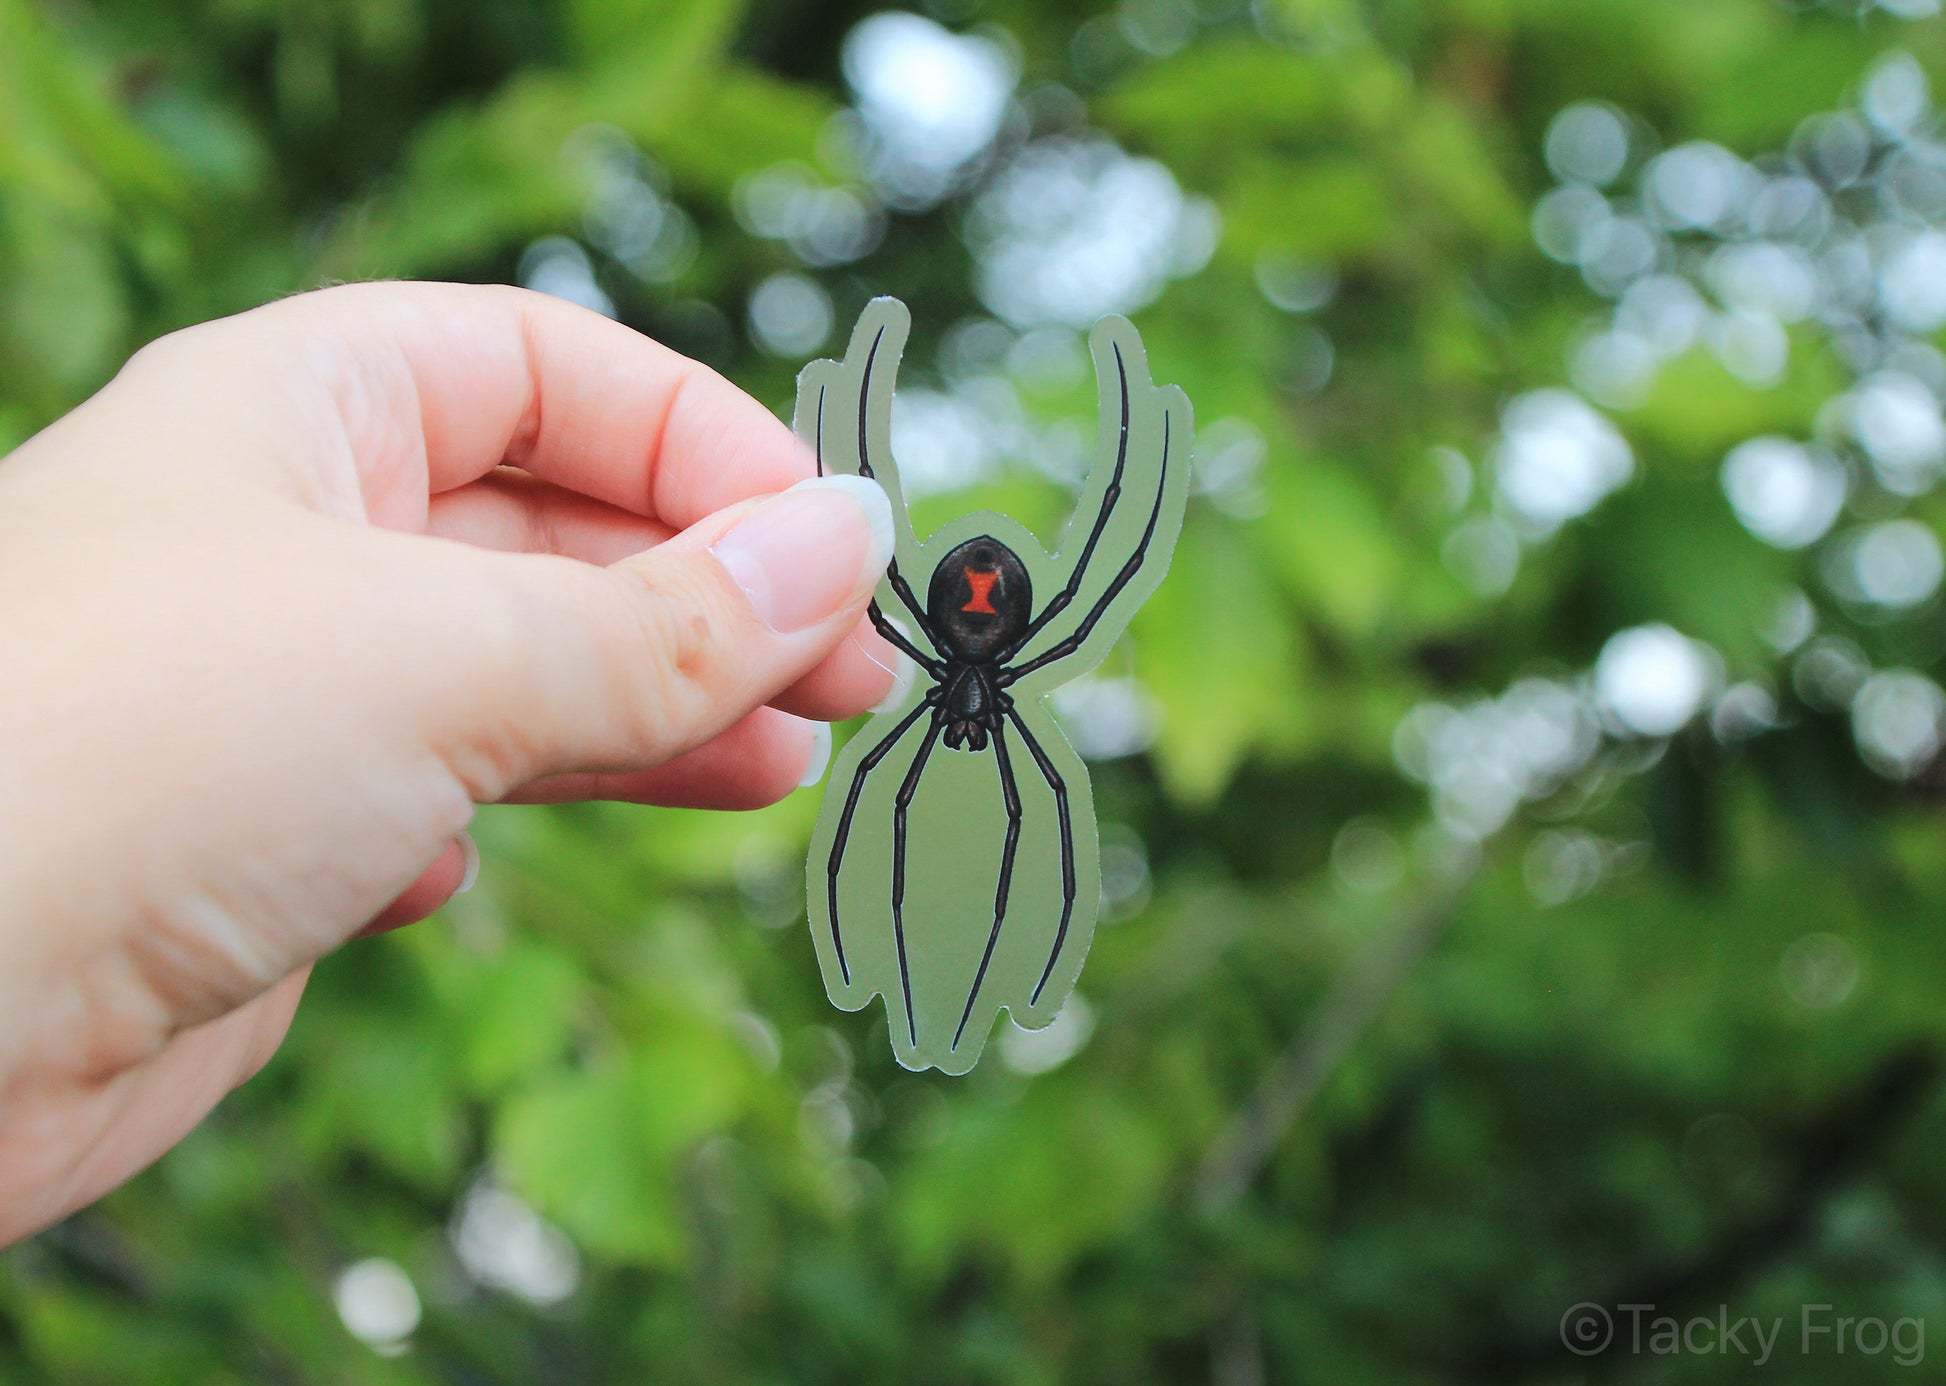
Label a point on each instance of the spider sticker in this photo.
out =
(955, 869)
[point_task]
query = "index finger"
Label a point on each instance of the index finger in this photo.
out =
(437, 384)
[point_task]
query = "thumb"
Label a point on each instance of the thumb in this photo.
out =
(622, 668)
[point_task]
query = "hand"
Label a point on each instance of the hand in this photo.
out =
(296, 591)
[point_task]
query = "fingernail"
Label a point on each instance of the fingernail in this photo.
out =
(807, 552)
(470, 852)
(820, 755)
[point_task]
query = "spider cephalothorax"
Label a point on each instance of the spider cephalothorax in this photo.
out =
(988, 658)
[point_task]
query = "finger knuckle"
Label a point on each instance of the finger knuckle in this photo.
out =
(492, 729)
(682, 675)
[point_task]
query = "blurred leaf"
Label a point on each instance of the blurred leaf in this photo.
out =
(673, 35)
(1325, 535)
(575, 1147)
(63, 307)
(594, 1148)
(1222, 659)
(1035, 1208)
(516, 1014)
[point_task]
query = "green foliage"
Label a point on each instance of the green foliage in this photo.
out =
(1672, 1033)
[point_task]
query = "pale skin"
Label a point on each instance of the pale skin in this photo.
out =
(297, 591)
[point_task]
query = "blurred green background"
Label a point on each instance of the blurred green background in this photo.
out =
(1521, 812)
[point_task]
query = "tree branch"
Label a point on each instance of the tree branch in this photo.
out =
(1303, 1069)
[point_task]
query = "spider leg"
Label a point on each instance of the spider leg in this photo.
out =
(1060, 788)
(1109, 497)
(1061, 649)
(897, 639)
(893, 635)
(1012, 794)
(843, 835)
(902, 803)
(899, 584)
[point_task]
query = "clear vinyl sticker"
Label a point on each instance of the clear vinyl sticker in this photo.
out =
(955, 869)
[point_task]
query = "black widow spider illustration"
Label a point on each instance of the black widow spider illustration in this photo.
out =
(988, 657)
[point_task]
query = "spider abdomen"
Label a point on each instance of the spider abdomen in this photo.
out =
(980, 600)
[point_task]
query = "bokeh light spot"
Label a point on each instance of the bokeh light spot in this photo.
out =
(1653, 679)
